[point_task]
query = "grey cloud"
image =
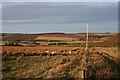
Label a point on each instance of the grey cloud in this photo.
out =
(47, 13)
(74, 13)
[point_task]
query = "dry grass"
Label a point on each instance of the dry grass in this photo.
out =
(56, 38)
(100, 65)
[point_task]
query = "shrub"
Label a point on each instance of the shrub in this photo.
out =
(62, 43)
(52, 44)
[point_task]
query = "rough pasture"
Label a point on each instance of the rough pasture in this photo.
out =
(102, 63)
(11, 50)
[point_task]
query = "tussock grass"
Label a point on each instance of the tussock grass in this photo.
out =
(100, 65)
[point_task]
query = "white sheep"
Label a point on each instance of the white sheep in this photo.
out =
(70, 52)
(46, 51)
(53, 52)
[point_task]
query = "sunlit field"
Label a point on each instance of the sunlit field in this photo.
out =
(34, 62)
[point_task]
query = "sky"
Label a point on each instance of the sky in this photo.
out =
(66, 17)
(60, 0)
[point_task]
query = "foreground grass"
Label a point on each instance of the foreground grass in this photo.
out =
(39, 66)
(70, 66)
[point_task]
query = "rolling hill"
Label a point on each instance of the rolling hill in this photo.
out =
(48, 35)
(110, 42)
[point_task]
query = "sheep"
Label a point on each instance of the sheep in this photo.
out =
(70, 52)
(74, 52)
(46, 51)
(44, 54)
(53, 53)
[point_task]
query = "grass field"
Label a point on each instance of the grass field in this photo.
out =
(100, 64)
(60, 59)
(56, 38)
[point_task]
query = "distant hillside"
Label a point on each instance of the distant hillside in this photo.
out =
(50, 35)
(20, 37)
(110, 42)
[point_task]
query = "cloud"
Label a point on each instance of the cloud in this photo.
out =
(60, 0)
(63, 14)
(68, 13)
(16, 21)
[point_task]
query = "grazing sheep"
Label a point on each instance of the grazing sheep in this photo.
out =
(70, 52)
(46, 51)
(53, 53)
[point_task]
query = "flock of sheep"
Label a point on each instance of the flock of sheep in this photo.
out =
(45, 52)
(60, 52)
(52, 53)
